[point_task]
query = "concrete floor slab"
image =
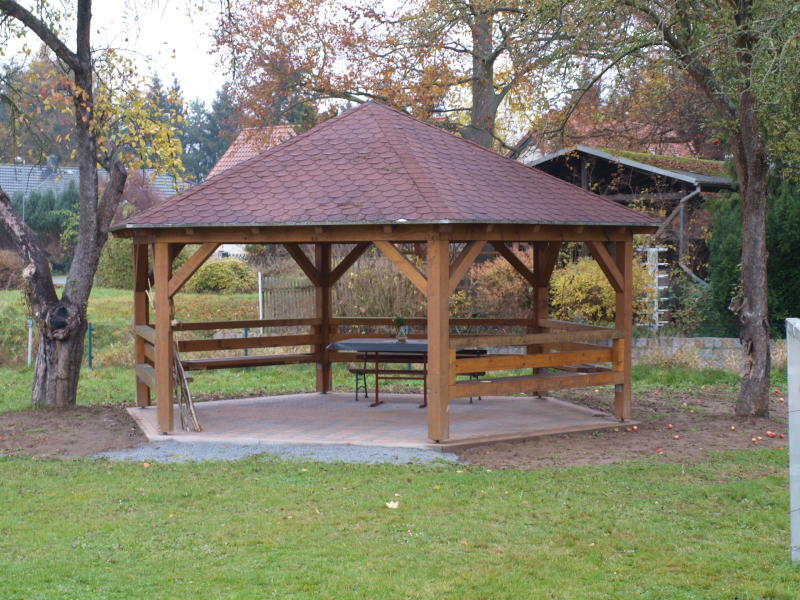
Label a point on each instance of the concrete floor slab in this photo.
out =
(337, 419)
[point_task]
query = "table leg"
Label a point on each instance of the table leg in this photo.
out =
(377, 386)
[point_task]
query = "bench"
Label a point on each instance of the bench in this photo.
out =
(235, 362)
(408, 374)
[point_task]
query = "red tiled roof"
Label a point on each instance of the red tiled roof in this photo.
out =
(376, 165)
(249, 143)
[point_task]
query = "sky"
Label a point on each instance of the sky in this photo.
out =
(170, 37)
(167, 37)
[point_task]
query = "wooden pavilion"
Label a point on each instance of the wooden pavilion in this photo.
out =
(376, 176)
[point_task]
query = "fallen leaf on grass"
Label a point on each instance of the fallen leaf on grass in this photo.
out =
(393, 504)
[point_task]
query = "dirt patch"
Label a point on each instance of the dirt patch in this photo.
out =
(702, 420)
(82, 431)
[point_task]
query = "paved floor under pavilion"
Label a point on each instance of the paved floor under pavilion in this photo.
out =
(336, 418)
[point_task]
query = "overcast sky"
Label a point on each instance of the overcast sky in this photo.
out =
(168, 37)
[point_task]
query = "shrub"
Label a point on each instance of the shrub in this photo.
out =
(373, 287)
(115, 269)
(226, 275)
(783, 246)
(581, 292)
(10, 270)
(499, 291)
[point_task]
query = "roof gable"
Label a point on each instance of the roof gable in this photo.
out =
(249, 143)
(376, 165)
(706, 174)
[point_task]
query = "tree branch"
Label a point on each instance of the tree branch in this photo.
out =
(29, 20)
(36, 272)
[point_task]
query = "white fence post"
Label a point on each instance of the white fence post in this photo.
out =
(793, 367)
(261, 298)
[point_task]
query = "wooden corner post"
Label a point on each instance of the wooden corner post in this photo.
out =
(323, 308)
(438, 377)
(624, 321)
(163, 362)
(545, 256)
(141, 314)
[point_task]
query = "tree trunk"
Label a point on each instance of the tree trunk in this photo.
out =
(58, 362)
(752, 168)
(484, 102)
(62, 322)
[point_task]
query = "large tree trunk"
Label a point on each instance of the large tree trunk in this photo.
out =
(484, 101)
(58, 363)
(751, 308)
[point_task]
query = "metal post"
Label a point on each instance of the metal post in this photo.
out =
(793, 368)
(261, 298)
(30, 342)
(89, 356)
(246, 333)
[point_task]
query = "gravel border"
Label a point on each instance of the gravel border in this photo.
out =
(181, 452)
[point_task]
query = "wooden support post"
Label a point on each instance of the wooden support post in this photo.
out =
(141, 314)
(624, 322)
(163, 366)
(322, 258)
(438, 340)
(545, 255)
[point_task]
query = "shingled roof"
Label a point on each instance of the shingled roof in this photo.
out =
(249, 143)
(375, 165)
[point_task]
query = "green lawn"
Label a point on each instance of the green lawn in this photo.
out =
(262, 528)
(259, 528)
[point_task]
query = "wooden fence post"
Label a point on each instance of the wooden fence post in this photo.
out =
(163, 366)
(141, 314)
(438, 340)
(624, 322)
(322, 256)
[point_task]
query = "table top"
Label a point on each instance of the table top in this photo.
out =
(381, 345)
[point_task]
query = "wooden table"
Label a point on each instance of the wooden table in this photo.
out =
(383, 351)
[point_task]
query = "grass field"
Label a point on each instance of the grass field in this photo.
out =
(263, 528)
(260, 528)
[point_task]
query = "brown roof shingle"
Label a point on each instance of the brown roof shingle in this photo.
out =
(376, 165)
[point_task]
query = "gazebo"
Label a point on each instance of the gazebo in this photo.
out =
(376, 176)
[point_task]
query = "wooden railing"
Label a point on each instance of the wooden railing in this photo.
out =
(572, 353)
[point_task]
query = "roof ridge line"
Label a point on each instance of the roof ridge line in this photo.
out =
(403, 155)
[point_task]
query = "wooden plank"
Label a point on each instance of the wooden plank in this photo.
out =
(351, 234)
(438, 380)
(559, 346)
(515, 262)
(146, 375)
(189, 268)
(296, 252)
(624, 322)
(478, 322)
(239, 343)
(474, 341)
(149, 352)
(323, 311)
(146, 332)
(544, 260)
(531, 383)
(568, 325)
(606, 262)
(404, 265)
(504, 362)
(208, 325)
(163, 339)
(237, 362)
(463, 262)
(347, 261)
(141, 316)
